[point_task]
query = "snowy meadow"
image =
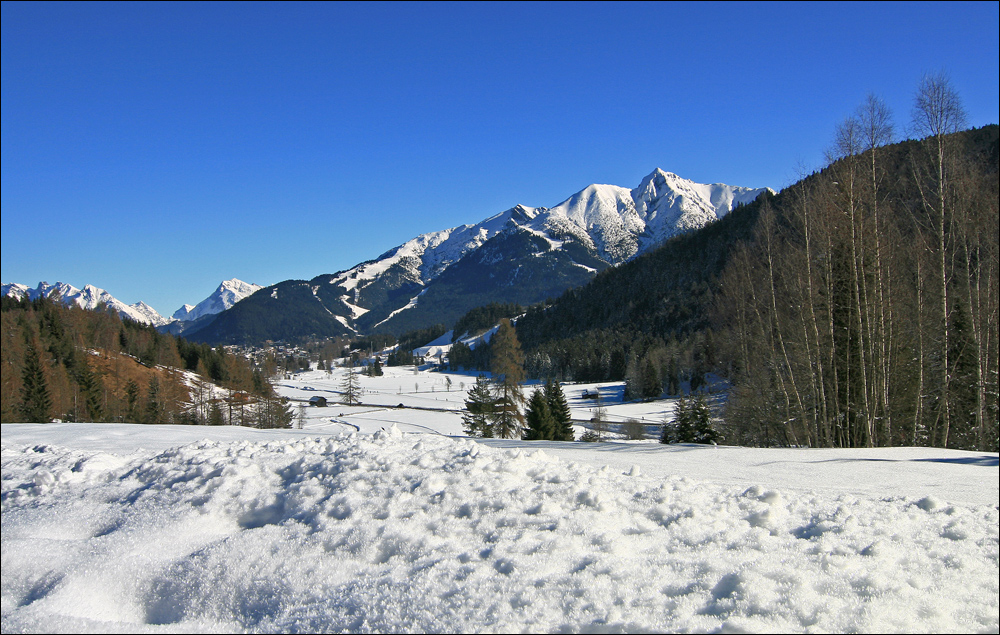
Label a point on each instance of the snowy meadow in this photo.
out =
(384, 519)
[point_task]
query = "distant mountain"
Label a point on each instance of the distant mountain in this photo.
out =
(90, 297)
(229, 293)
(522, 255)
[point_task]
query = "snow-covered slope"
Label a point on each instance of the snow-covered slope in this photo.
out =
(616, 222)
(229, 293)
(606, 224)
(154, 529)
(522, 255)
(90, 297)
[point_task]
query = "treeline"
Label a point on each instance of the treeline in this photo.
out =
(651, 365)
(863, 310)
(71, 364)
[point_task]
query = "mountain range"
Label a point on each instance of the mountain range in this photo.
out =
(524, 255)
(90, 297)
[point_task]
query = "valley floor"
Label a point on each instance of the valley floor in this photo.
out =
(406, 526)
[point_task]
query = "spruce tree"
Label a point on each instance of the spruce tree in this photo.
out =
(280, 413)
(633, 379)
(478, 417)
(91, 390)
(685, 421)
(701, 421)
(154, 408)
(35, 400)
(131, 401)
(562, 423)
(649, 379)
(215, 416)
(540, 426)
(692, 422)
(669, 432)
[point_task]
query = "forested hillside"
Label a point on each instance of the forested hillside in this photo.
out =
(857, 307)
(863, 310)
(74, 364)
(655, 306)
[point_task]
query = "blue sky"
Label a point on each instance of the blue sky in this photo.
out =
(154, 150)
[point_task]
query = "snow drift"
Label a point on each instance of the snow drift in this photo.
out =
(395, 532)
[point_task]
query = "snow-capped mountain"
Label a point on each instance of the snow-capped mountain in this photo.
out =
(90, 297)
(229, 293)
(524, 254)
(614, 222)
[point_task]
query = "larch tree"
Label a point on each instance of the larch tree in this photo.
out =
(507, 367)
(350, 388)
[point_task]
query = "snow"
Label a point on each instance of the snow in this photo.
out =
(229, 293)
(89, 298)
(409, 305)
(617, 222)
(425, 256)
(408, 526)
(224, 297)
(441, 347)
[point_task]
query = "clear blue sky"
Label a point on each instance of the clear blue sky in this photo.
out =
(154, 150)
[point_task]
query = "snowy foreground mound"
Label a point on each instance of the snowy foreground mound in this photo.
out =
(397, 532)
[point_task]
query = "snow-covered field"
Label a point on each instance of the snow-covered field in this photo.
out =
(405, 526)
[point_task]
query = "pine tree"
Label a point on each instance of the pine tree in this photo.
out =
(562, 423)
(478, 417)
(540, 425)
(35, 400)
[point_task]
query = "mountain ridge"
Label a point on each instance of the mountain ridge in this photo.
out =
(523, 254)
(91, 297)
